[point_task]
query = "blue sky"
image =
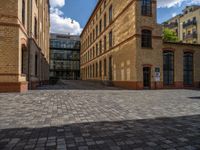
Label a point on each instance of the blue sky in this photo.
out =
(63, 11)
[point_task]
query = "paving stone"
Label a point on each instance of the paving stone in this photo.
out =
(84, 115)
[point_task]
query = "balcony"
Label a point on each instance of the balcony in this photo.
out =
(171, 25)
(190, 23)
(190, 36)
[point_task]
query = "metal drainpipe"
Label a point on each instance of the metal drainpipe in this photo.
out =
(29, 40)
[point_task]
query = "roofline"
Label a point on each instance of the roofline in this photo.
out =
(63, 34)
(179, 43)
(94, 10)
(181, 14)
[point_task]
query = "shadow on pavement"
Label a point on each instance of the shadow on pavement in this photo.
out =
(78, 85)
(195, 97)
(148, 134)
(85, 85)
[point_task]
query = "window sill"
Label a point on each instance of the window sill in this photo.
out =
(147, 15)
(149, 48)
(23, 75)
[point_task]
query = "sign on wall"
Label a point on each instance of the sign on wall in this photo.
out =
(157, 74)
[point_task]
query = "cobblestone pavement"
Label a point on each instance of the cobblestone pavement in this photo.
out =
(82, 115)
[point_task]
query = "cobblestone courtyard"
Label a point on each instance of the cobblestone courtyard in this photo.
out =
(80, 116)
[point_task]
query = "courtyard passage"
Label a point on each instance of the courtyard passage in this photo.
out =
(80, 115)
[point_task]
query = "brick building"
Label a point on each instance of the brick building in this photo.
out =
(122, 44)
(24, 44)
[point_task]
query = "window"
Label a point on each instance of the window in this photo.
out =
(104, 4)
(36, 65)
(100, 26)
(93, 34)
(90, 71)
(96, 31)
(97, 51)
(105, 67)
(110, 39)
(110, 14)
(23, 12)
(87, 56)
(96, 69)
(93, 52)
(184, 35)
(23, 61)
(188, 68)
(100, 47)
(90, 55)
(36, 2)
(90, 38)
(146, 8)
(105, 21)
(105, 43)
(146, 38)
(100, 69)
(93, 71)
(97, 16)
(35, 28)
(168, 67)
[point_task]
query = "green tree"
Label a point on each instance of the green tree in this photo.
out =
(170, 36)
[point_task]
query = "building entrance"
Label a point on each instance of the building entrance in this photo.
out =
(147, 77)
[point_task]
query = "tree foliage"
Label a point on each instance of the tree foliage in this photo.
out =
(170, 36)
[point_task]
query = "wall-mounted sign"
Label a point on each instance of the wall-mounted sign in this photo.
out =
(157, 74)
(157, 69)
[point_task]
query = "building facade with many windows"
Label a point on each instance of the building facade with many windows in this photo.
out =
(122, 44)
(186, 25)
(24, 44)
(65, 57)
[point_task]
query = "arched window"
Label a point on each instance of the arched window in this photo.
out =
(188, 68)
(146, 7)
(23, 60)
(168, 67)
(146, 38)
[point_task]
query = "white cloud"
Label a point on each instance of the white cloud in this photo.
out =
(173, 3)
(193, 2)
(56, 11)
(169, 3)
(174, 14)
(57, 3)
(60, 23)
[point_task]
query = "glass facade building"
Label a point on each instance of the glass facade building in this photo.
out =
(65, 57)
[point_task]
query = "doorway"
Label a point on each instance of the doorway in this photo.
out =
(147, 77)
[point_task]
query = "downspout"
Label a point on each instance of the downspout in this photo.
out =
(29, 40)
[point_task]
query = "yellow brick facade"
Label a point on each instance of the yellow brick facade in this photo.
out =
(19, 46)
(125, 61)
